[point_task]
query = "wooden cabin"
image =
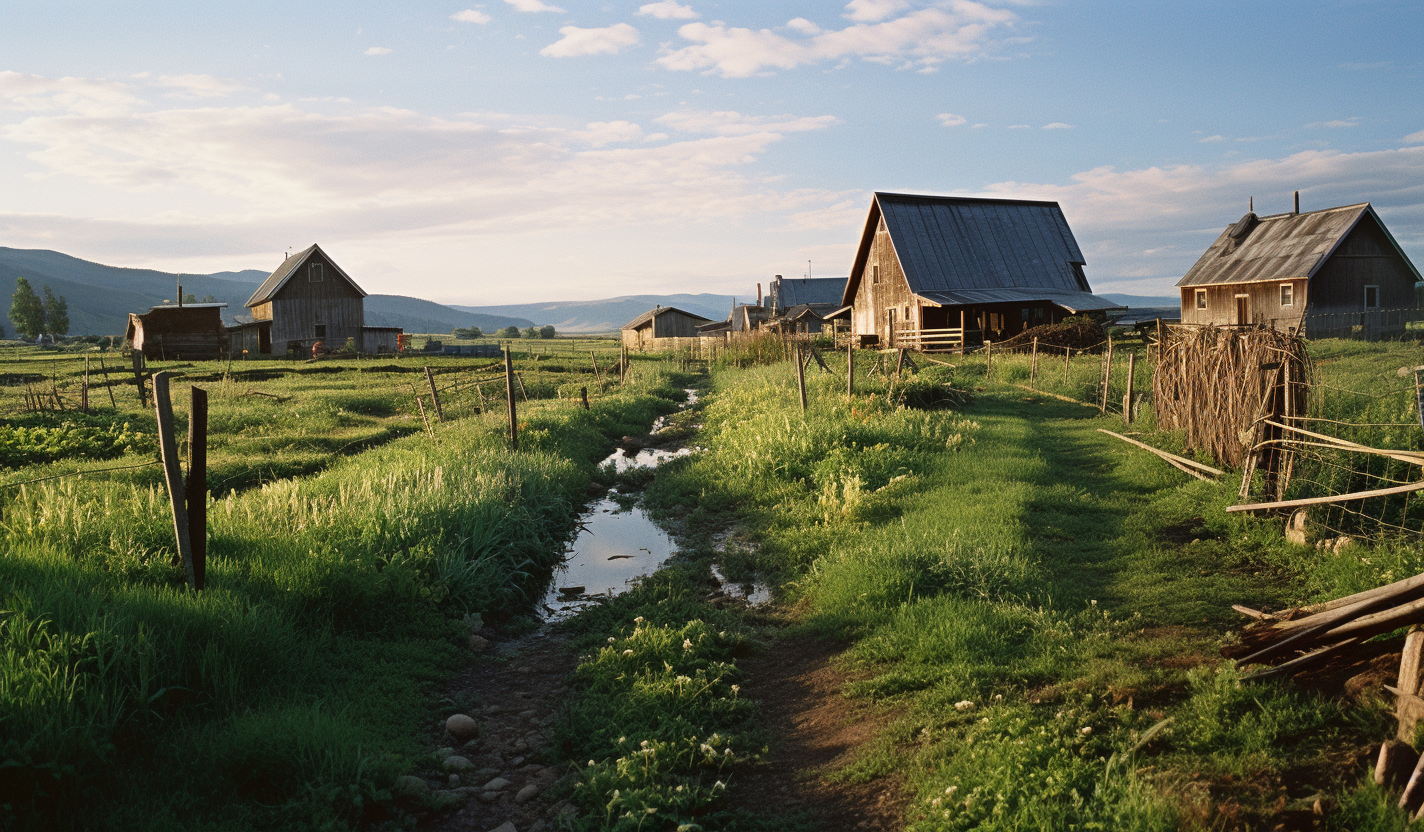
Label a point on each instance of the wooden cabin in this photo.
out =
(1335, 273)
(663, 328)
(310, 299)
(190, 331)
(937, 272)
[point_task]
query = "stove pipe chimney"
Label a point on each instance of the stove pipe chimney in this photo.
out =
(1297, 203)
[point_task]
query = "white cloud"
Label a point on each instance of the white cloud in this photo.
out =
(668, 10)
(951, 120)
(377, 51)
(803, 26)
(1155, 222)
(197, 86)
(959, 30)
(1057, 125)
(729, 123)
(1217, 138)
(87, 96)
(471, 16)
(533, 6)
(577, 42)
(1018, 126)
(1415, 138)
(873, 10)
(601, 133)
(1336, 123)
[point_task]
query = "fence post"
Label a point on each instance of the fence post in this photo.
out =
(1033, 363)
(84, 391)
(172, 473)
(850, 366)
(583, 394)
(598, 376)
(138, 363)
(1067, 362)
(988, 359)
(104, 368)
(509, 393)
(801, 377)
(195, 489)
(434, 396)
(1127, 399)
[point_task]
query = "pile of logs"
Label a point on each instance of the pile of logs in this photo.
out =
(1284, 644)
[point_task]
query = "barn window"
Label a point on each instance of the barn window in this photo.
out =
(874, 274)
(314, 273)
(1287, 294)
(1371, 297)
(321, 330)
(1201, 298)
(1038, 313)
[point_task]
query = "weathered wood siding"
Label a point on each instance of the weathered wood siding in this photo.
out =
(674, 324)
(883, 289)
(1365, 258)
(194, 333)
(1263, 303)
(303, 304)
(379, 339)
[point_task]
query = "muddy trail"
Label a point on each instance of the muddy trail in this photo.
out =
(499, 770)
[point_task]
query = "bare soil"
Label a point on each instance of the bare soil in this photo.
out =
(817, 731)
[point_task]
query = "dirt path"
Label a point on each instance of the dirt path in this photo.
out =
(816, 730)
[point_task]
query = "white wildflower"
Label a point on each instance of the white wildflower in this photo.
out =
(1086, 730)
(964, 705)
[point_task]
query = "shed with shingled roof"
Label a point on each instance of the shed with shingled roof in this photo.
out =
(1336, 272)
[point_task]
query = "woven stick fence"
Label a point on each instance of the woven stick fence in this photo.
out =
(1216, 385)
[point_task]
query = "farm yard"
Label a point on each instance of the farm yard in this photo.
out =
(985, 613)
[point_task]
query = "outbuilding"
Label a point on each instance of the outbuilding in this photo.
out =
(1334, 273)
(309, 299)
(939, 272)
(189, 331)
(663, 328)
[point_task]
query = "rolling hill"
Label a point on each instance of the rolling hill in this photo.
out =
(610, 314)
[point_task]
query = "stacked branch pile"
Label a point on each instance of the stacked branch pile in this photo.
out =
(1215, 384)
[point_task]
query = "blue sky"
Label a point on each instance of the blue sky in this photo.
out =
(522, 150)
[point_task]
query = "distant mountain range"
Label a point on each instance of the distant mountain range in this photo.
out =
(611, 314)
(1145, 301)
(100, 297)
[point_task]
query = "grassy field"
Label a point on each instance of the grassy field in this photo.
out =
(1040, 607)
(350, 553)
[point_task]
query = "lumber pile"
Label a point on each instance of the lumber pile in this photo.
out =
(1299, 640)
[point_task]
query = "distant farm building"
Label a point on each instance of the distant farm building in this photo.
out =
(309, 300)
(1331, 273)
(191, 331)
(663, 328)
(801, 304)
(937, 272)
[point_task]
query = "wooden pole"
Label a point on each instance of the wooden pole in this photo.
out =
(963, 333)
(1033, 363)
(583, 394)
(434, 396)
(195, 489)
(988, 359)
(84, 391)
(801, 378)
(1127, 399)
(1067, 362)
(421, 406)
(173, 474)
(597, 376)
(850, 366)
(509, 394)
(138, 378)
(1107, 375)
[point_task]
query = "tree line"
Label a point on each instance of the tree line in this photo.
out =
(546, 331)
(33, 316)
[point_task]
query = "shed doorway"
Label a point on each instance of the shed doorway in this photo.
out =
(1243, 310)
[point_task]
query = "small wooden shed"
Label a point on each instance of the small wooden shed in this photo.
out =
(309, 299)
(191, 331)
(663, 328)
(1334, 273)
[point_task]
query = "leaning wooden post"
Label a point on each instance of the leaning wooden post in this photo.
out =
(1033, 363)
(509, 394)
(1127, 398)
(173, 474)
(104, 368)
(597, 376)
(1067, 362)
(801, 378)
(1107, 375)
(850, 367)
(195, 490)
(84, 391)
(434, 396)
(900, 362)
(988, 358)
(583, 394)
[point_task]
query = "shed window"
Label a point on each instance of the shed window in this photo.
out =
(321, 330)
(1201, 298)
(314, 273)
(875, 274)
(1287, 294)
(1371, 297)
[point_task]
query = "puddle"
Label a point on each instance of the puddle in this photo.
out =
(646, 458)
(614, 548)
(755, 593)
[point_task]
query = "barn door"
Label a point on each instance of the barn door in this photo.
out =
(1243, 310)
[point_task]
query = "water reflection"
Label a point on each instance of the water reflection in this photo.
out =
(614, 547)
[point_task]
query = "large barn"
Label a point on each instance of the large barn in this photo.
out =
(938, 272)
(309, 300)
(1331, 273)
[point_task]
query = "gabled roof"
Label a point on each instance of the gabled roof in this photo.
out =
(1281, 246)
(947, 244)
(648, 316)
(276, 280)
(796, 291)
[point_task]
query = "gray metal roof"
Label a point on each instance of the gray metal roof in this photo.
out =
(796, 291)
(963, 244)
(1071, 300)
(1278, 246)
(277, 279)
(653, 313)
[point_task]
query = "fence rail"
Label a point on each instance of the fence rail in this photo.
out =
(1369, 325)
(930, 340)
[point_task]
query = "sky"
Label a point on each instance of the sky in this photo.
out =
(519, 151)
